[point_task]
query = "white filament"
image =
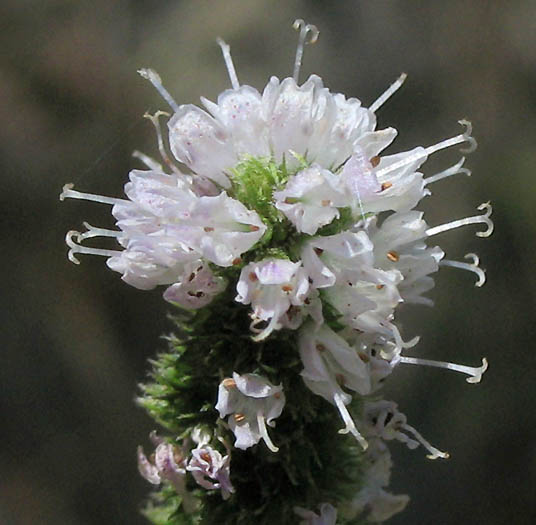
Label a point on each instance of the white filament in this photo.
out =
(69, 193)
(434, 452)
(472, 267)
(453, 170)
(388, 93)
(156, 123)
(226, 51)
(458, 139)
(154, 78)
(474, 373)
(304, 30)
(78, 248)
(350, 425)
(478, 219)
(264, 433)
(148, 161)
(92, 231)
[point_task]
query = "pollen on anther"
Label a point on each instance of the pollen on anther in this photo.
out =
(393, 256)
(229, 382)
(239, 417)
(287, 288)
(374, 161)
(386, 185)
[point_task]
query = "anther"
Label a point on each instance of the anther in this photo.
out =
(226, 51)
(154, 78)
(253, 277)
(287, 288)
(393, 256)
(239, 418)
(389, 92)
(253, 228)
(236, 261)
(229, 382)
(386, 185)
(305, 30)
(208, 229)
(374, 161)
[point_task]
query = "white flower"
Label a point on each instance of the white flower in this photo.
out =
(252, 402)
(380, 504)
(272, 286)
(382, 419)
(169, 464)
(196, 288)
(211, 470)
(328, 515)
(329, 365)
(310, 199)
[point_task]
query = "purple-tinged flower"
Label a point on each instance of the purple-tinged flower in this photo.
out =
(167, 464)
(383, 420)
(328, 515)
(197, 287)
(211, 470)
(311, 199)
(330, 365)
(272, 286)
(373, 499)
(252, 402)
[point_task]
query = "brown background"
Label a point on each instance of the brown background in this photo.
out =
(76, 339)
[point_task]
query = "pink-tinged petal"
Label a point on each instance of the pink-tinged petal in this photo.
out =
(147, 469)
(203, 144)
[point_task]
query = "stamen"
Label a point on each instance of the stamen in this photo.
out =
(472, 267)
(78, 248)
(226, 51)
(264, 433)
(478, 219)
(69, 193)
(350, 425)
(163, 153)
(434, 452)
(423, 153)
(453, 170)
(154, 78)
(389, 92)
(475, 373)
(304, 29)
(97, 232)
(148, 161)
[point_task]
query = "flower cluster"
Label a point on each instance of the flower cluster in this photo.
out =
(288, 198)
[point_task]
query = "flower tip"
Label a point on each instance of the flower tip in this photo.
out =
(438, 454)
(486, 219)
(65, 190)
(72, 245)
(472, 143)
(479, 372)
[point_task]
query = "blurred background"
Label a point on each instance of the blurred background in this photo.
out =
(76, 339)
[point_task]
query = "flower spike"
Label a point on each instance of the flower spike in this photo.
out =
(231, 71)
(304, 30)
(389, 92)
(472, 267)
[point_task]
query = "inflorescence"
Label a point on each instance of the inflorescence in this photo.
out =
(288, 199)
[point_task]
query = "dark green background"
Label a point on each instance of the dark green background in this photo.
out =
(75, 340)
